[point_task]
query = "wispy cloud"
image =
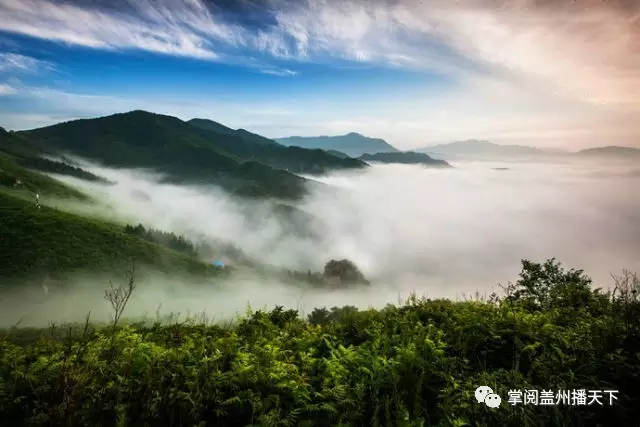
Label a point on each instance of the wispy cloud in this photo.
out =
(156, 27)
(278, 72)
(586, 49)
(13, 62)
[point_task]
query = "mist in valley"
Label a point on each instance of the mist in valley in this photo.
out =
(433, 232)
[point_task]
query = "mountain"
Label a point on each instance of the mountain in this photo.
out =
(481, 149)
(188, 152)
(250, 146)
(210, 125)
(405, 157)
(611, 151)
(207, 124)
(352, 144)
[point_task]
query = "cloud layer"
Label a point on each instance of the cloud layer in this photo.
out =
(440, 233)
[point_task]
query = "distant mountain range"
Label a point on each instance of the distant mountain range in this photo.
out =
(371, 149)
(196, 151)
(352, 144)
(477, 149)
(405, 157)
(611, 151)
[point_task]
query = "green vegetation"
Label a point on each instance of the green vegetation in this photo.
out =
(52, 166)
(337, 153)
(46, 241)
(413, 365)
(200, 151)
(170, 240)
(345, 272)
(405, 157)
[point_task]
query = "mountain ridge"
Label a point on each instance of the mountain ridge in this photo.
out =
(352, 144)
(475, 147)
(188, 153)
(610, 151)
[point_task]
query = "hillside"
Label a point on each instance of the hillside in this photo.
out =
(337, 153)
(406, 157)
(352, 144)
(44, 241)
(168, 145)
(188, 153)
(19, 160)
(216, 127)
(476, 149)
(611, 151)
(19, 155)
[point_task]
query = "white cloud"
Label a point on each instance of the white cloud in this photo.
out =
(447, 233)
(157, 29)
(6, 89)
(279, 72)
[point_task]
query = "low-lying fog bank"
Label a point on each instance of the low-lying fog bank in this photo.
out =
(435, 232)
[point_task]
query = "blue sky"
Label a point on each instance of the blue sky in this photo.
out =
(414, 73)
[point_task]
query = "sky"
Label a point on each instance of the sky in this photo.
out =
(556, 74)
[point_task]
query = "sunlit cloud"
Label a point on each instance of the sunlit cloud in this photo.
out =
(6, 89)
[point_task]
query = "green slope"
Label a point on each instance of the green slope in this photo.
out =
(32, 182)
(188, 153)
(45, 241)
(20, 158)
(166, 144)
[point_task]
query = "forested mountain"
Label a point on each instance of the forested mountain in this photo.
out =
(352, 144)
(216, 127)
(187, 153)
(250, 146)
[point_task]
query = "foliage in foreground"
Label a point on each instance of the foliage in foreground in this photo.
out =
(413, 365)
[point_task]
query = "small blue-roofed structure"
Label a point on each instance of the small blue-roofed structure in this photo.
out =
(217, 263)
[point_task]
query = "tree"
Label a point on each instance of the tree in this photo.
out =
(119, 296)
(344, 271)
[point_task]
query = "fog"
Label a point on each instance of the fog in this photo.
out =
(432, 232)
